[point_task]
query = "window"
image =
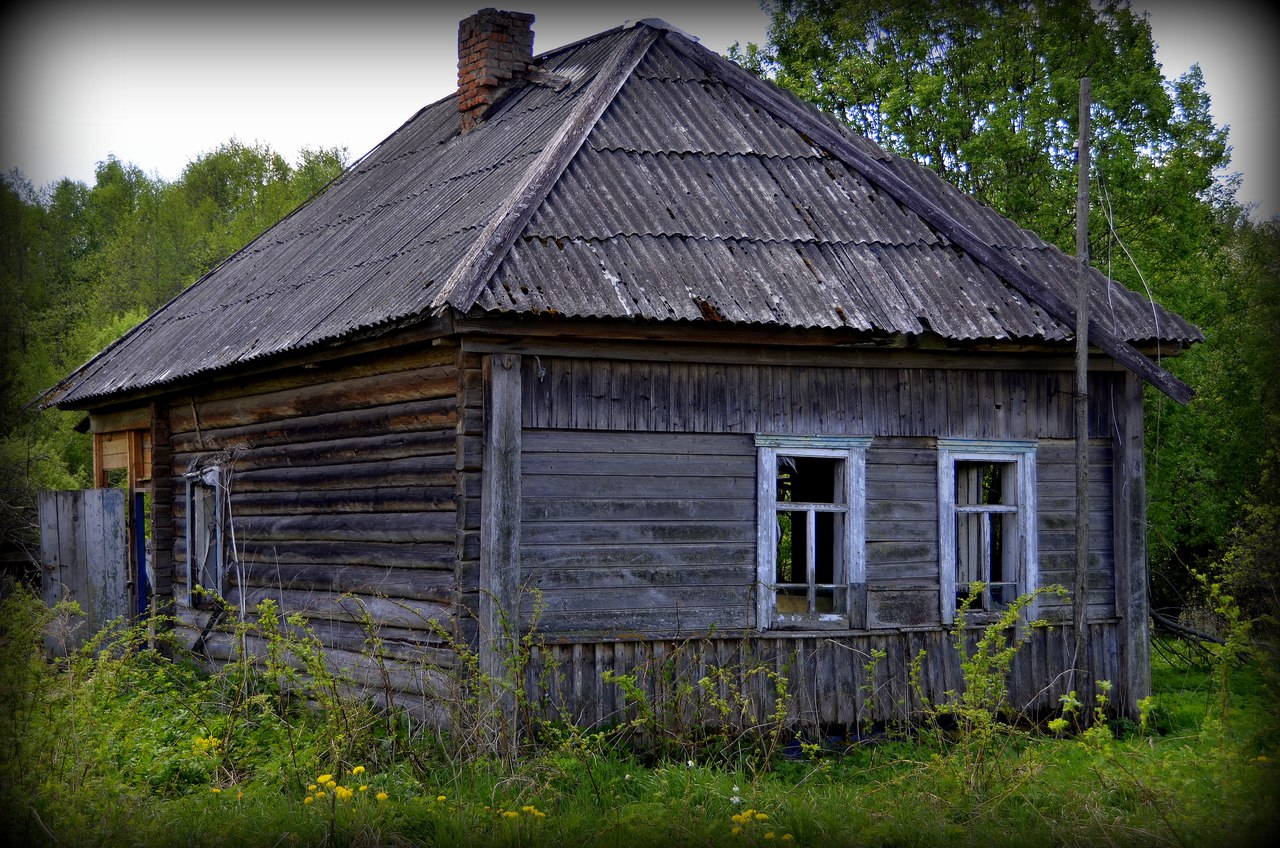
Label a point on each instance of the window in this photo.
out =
(206, 547)
(986, 515)
(810, 530)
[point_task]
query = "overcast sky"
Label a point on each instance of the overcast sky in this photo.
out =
(158, 84)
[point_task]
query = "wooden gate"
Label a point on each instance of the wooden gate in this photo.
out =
(84, 557)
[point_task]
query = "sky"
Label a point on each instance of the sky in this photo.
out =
(158, 84)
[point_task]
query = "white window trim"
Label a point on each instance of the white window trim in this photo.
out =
(853, 451)
(210, 477)
(1023, 455)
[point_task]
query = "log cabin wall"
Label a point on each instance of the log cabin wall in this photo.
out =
(342, 479)
(638, 519)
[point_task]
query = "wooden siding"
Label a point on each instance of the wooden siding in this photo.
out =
(627, 534)
(827, 677)
(656, 406)
(343, 484)
(654, 396)
(637, 533)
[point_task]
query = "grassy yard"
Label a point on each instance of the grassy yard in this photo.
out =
(120, 746)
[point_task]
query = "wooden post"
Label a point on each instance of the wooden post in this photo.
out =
(1130, 552)
(1080, 593)
(499, 601)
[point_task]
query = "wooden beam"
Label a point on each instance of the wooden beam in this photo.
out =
(500, 534)
(125, 419)
(806, 118)
(1130, 548)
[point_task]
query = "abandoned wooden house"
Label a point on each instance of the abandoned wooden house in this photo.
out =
(625, 344)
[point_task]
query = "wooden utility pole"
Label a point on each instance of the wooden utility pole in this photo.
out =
(1081, 397)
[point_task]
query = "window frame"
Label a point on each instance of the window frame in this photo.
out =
(850, 567)
(1022, 455)
(199, 482)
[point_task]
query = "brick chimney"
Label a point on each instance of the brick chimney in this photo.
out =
(493, 48)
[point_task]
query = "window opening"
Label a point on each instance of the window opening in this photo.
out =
(987, 514)
(206, 546)
(986, 549)
(810, 543)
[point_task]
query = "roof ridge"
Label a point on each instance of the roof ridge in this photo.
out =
(463, 286)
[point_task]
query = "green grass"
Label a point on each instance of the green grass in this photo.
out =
(113, 748)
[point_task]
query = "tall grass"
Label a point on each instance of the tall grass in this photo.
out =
(123, 744)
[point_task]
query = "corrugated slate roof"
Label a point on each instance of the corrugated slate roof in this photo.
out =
(680, 197)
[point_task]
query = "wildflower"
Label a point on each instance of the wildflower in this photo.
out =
(440, 799)
(216, 791)
(509, 814)
(770, 835)
(381, 796)
(736, 790)
(690, 763)
(734, 799)
(358, 770)
(762, 816)
(786, 837)
(308, 800)
(626, 777)
(311, 787)
(331, 783)
(736, 830)
(324, 778)
(321, 795)
(364, 787)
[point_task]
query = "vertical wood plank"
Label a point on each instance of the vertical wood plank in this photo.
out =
(500, 520)
(50, 549)
(1130, 552)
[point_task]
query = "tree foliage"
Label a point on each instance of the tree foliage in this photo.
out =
(986, 94)
(82, 264)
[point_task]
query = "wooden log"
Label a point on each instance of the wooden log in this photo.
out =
(392, 612)
(412, 416)
(399, 527)
(426, 555)
(337, 451)
(410, 583)
(353, 393)
(372, 500)
(318, 371)
(414, 471)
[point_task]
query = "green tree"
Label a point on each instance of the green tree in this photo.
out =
(80, 265)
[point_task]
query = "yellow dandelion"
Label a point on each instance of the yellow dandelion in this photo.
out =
(215, 790)
(324, 778)
(381, 796)
(331, 783)
(364, 787)
(770, 835)
(308, 800)
(762, 816)
(509, 814)
(311, 787)
(736, 830)
(440, 798)
(320, 795)
(786, 837)
(358, 770)
(527, 808)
